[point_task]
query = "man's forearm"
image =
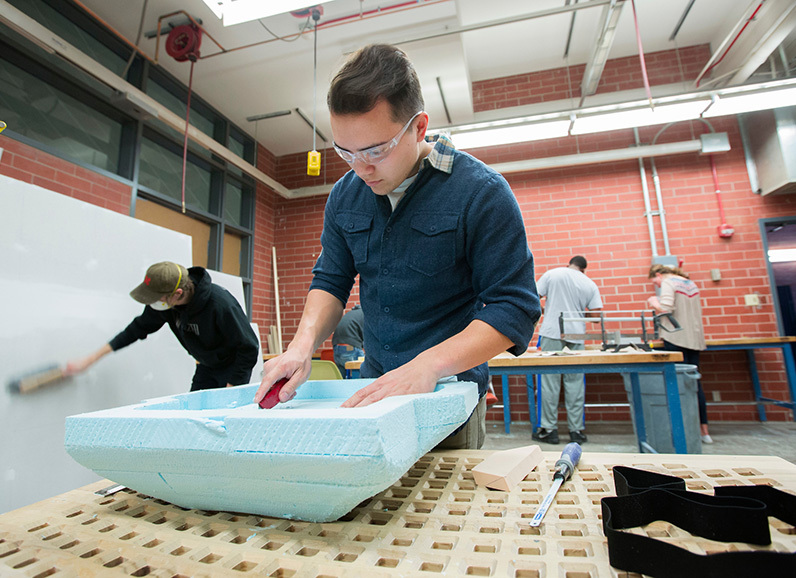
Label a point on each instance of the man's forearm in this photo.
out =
(478, 343)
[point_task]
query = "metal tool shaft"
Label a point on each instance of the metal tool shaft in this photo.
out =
(565, 465)
(548, 499)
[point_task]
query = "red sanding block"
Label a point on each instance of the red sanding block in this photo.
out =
(272, 397)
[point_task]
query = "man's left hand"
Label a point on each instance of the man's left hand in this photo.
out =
(411, 378)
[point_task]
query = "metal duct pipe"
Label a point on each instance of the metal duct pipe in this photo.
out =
(656, 181)
(630, 153)
(646, 194)
(503, 21)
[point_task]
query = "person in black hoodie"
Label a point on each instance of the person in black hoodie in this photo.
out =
(206, 319)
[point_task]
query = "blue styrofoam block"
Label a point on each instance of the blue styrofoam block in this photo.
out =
(306, 459)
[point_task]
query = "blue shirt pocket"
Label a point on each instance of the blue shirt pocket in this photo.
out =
(433, 242)
(356, 230)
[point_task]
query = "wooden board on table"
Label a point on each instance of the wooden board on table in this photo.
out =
(584, 358)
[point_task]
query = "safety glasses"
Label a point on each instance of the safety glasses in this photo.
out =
(374, 155)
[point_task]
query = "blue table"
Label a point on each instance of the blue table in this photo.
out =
(749, 344)
(532, 364)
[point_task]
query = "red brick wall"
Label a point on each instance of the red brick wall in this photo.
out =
(298, 226)
(298, 235)
(263, 304)
(31, 165)
(619, 74)
(292, 169)
(598, 211)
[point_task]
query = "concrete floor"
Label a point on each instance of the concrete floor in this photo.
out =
(731, 438)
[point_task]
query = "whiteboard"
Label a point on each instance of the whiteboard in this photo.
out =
(66, 270)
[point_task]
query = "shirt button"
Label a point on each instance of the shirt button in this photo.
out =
(389, 229)
(385, 271)
(386, 309)
(350, 225)
(433, 228)
(387, 347)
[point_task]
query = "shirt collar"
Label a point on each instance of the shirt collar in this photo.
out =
(441, 156)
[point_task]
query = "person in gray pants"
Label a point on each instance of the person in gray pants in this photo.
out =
(566, 290)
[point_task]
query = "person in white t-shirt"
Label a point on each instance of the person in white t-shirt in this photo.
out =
(566, 290)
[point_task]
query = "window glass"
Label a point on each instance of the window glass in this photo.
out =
(178, 107)
(236, 147)
(40, 112)
(71, 32)
(233, 203)
(161, 170)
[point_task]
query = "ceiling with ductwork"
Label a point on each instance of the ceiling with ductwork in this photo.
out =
(266, 66)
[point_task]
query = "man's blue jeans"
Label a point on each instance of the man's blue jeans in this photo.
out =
(344, 353)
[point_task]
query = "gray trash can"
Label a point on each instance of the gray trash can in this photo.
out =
(656, 409)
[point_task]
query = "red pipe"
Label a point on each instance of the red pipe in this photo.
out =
(338, 22)
(185, 141)
(725, 231)
(716, 188)
(759, 6)
(379, 10)
(641, 54)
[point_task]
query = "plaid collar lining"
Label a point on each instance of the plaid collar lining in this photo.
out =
(441, 156)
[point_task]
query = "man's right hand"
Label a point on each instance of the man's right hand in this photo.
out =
(77, 366)
(290, 365)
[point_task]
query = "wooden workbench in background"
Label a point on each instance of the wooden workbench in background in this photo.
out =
(433, 521)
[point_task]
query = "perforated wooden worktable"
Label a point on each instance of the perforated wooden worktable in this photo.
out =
(433, 521)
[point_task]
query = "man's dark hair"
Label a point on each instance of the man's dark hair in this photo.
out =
(375, 72)
(579, 261)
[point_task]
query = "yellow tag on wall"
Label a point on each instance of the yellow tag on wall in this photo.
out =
(4, 125)
(313, 163)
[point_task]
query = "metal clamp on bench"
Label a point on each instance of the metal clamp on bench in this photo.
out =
(617, 339)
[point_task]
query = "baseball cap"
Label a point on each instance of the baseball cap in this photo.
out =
(160, 279)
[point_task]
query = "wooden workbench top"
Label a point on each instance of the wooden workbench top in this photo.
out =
(774, 339)
(584, 357)
(434, 521)
(752, 340)
(538, 358)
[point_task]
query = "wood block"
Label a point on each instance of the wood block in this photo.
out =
(504, 470)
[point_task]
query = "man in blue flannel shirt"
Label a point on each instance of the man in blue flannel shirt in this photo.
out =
(436, 237)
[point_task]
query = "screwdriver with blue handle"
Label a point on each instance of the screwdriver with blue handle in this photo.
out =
(564, 468)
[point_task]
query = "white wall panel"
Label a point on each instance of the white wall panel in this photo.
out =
(66, 270)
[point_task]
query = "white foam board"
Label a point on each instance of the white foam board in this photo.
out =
(66, 270)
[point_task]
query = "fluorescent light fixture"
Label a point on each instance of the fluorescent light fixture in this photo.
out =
(677, 108)
(781, 255)
(510, 134)
(238, 11)
(596, 64)
(635, 117)
(737, 104)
